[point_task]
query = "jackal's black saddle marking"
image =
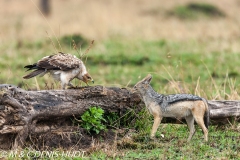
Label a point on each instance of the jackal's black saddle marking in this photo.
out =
(166, 100)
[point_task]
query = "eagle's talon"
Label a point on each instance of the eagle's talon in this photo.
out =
(72, 87)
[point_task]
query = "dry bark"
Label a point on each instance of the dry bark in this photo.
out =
(21, 110)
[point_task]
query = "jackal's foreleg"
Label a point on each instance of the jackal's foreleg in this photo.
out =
(190, 123)
(157, 121)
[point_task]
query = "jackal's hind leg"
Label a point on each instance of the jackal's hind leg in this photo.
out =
(200, 122)
(198, 114)
(157, 121)
(190, 123)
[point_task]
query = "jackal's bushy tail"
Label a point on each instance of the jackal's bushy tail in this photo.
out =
(207, 113)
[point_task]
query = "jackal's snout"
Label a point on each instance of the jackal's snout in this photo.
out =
(142, 84)
(134, 89)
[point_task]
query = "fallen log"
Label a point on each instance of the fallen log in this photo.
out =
(21, 110)
(224, 109)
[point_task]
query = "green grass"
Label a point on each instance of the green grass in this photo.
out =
(221, 144)
(122, 63)
(196, 10)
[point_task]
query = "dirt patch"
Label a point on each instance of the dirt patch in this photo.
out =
(59, 134)
(79, 139)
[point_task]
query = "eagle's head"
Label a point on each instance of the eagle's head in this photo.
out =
(86, 78)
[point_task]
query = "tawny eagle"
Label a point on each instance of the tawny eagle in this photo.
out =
(63, 67)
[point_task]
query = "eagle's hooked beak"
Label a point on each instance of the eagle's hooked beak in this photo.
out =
(88, 81)
(86, 78)
(91, 81)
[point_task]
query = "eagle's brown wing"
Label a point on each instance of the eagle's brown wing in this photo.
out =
(61, 61)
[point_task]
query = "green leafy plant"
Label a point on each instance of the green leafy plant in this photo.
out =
(92, 120)
(113, 119)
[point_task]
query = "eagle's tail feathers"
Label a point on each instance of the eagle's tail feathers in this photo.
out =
(43, 73)
(33, 74)
(31, 67)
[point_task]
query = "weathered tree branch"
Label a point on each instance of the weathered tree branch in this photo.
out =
(20, 110)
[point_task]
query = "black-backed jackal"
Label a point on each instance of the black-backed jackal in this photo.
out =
(186, 106)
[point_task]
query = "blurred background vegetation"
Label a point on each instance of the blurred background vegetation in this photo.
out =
(188, 46)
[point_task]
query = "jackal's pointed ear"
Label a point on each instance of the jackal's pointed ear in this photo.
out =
(148, 79)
